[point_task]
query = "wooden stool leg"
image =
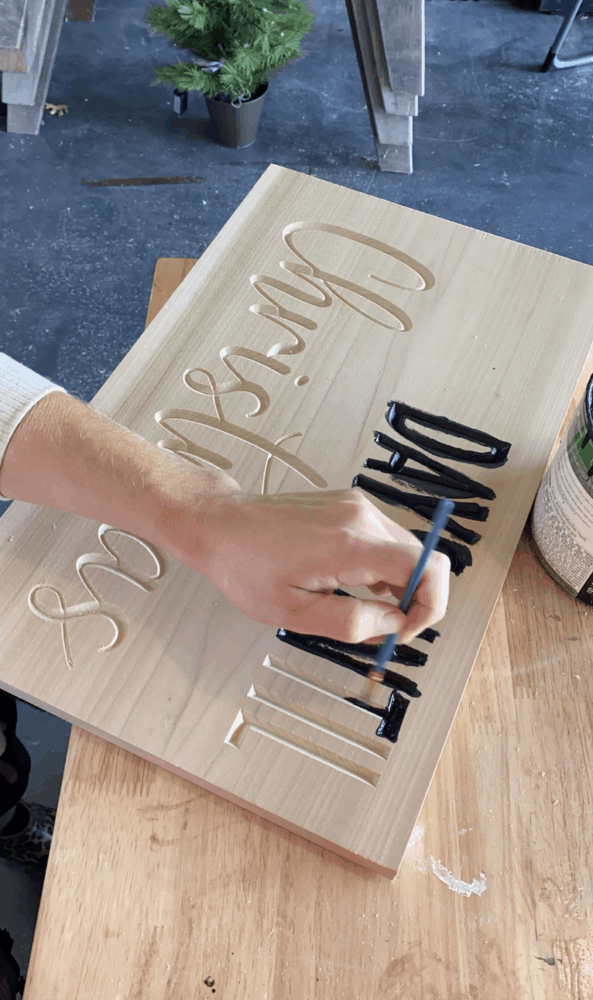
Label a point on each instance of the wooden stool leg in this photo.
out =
(25, 93)
(389, 41)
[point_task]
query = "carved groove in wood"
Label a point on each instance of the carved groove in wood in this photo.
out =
(325, 284)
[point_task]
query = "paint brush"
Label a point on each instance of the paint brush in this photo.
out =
(442, 513)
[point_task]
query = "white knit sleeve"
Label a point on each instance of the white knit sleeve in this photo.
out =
(20, 389)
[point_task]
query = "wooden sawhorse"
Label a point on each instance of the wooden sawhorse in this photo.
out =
(29, 37)
(388, 37)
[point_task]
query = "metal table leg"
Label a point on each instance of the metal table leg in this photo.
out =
(552, 56)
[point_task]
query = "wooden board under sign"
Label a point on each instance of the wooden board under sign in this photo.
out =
(497, 341)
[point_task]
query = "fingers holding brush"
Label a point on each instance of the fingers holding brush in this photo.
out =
(430, 600)
(441, 516)
(280, 560)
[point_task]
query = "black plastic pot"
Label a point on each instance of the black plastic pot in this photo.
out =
(233, 125)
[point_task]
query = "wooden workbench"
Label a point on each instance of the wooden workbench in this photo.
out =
(156, 888)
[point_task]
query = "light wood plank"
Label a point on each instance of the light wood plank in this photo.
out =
(256, 885)
(484, 348)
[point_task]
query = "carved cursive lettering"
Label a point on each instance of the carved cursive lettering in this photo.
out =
(182, 445)
(320, 287)
(276, 312)
(240, 384)
(325, 281)
(403, 321)
(111, 563)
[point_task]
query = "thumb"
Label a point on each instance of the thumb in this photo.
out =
(345, 618)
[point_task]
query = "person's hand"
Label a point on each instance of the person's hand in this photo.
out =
(279, 559)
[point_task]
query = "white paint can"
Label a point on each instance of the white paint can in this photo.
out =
(562, 519)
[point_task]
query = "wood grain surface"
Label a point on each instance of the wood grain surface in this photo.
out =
(155, 887)
(497, 342)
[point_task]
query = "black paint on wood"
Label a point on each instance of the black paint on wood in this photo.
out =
(391, 722)
(471, 511)
(459, 554)
(391, 717)
(367, 652)
(399, 415)
(421, 505)
(428, 635)
(445, 483)
(350, 656)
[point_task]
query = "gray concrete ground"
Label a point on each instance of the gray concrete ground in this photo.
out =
(498, 146)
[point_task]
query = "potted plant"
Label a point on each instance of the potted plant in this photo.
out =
(236, 45)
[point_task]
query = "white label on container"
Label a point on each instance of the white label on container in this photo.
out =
(563, 521)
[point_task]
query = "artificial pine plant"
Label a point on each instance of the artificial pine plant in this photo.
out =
(242, 40)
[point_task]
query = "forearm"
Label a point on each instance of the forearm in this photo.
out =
(65, 455)
(279, 559)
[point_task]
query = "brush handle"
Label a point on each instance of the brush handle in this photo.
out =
(443, 511)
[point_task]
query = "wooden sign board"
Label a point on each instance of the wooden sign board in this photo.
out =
(316, 305)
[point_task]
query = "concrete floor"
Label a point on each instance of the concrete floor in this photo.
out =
(497, 146)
